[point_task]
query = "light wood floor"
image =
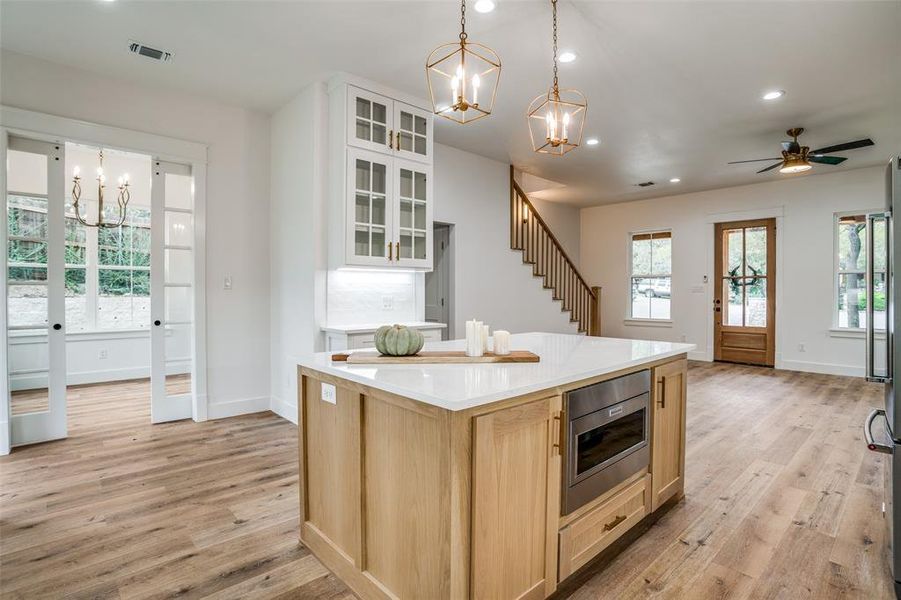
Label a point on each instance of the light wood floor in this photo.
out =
(782, 501)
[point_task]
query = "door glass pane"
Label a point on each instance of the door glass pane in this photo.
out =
(755, 250)
(361, 240)
(420, 126)
(179, 265)
(76, 301)
(406, 244)
(755, 301)
(364, 108)
(406, 213)
(27, 304)
(420, 188)
(363, 175)
(362, 130)
(733, 306)
(379, 134)
(734, 264)
(406, 141)
(406, 121)
(178, 305)
(419, 212)
(406, 183)
(420, 145)
(29, 369)
(419, 238)
(378, 178)
(378, 241)
(380, 113)
(178, 229)
(179, 192)
(361, 212)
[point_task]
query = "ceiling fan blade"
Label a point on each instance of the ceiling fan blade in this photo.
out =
(827, 160)
(773, 166)
(842, 147)
(738, 162)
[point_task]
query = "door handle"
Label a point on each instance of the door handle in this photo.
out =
(662, 400)
(872, 444)
(397, 250)
(619, 519)
(390, 252)
(157, 322)
(57, 326)
(391, 140)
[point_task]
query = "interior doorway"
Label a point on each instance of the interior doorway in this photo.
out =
(439, 282)
(744, 298)
(93, 309)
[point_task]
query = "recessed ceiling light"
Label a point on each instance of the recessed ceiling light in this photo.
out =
(675, 180)
(485, 6)
(592, 141)
(773, 95)
(567, 57)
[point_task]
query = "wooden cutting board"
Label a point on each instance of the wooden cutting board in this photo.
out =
(436, 357)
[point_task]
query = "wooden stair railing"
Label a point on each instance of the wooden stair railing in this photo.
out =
(540, 248)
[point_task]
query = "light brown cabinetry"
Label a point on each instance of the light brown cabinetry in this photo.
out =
(668, 431)
(516, 501)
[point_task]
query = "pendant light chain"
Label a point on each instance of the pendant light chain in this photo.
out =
(554, 6)
(463, 21)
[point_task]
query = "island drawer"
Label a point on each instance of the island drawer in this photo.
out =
(584, 538)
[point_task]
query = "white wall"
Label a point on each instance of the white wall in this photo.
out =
(237, 203)
(297, 230)
(566, 223)
(804, 261)
(491, 283)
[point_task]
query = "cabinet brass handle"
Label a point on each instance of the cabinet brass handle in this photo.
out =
(619, 519)
(397, 143)
(391, 140)
(390, 253)
(397, 250)
(662, 400)
(556, 433)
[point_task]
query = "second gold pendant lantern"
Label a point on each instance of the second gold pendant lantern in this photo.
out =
(463, 78)
(556, 119)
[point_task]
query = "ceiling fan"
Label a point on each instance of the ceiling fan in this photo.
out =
(797, 158)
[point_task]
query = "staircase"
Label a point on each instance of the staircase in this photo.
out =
(530, 235)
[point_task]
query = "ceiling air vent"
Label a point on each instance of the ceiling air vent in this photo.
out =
(645, 184)
(147, 51)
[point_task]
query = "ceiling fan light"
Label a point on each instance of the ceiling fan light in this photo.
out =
(795, 164)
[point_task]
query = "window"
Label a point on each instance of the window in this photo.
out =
(850, 272)
(651, 275)
(107, 278)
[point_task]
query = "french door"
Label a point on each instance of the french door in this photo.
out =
(172, 367)
(35, 272)
(744, 299)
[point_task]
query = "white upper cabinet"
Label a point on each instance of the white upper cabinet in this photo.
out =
(381, 197)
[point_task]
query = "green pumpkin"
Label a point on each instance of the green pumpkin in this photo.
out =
(398, 340)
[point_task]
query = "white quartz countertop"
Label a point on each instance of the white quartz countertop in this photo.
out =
(564, 359)
(370, 328)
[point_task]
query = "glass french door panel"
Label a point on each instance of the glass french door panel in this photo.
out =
(26, 172)
(178, 359)
(755, 251)
(733, 302)
(755, 301)
(27, 305)
(179, 229)
(29, 373)
(179, 266)
(178, 302)
(179, 191)
(734, 263)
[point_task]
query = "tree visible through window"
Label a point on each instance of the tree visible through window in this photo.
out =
(850, 280)
(651, 275)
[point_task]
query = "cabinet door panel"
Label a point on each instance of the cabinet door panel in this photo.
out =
(516, 501)
(412, 132)
(369, 120)
(413, 216)
(369, 208)
(668, 444)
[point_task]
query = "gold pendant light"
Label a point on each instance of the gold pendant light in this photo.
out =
(556, 119)
(463, 78)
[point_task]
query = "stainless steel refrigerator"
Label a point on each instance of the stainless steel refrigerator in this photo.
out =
(882, 429)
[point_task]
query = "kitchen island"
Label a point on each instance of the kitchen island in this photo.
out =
(448, 481)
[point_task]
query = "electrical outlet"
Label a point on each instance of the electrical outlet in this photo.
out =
(102, 354)
(802, 347)
(329, 394)
(227, 284)
(387, 302)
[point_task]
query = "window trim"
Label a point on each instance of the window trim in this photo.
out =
(836, 330)
(630, 318)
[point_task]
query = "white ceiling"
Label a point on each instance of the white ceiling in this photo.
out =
(673, 87)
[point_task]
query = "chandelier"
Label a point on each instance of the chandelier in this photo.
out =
(122, 200)
(556, 119)
(463, 78)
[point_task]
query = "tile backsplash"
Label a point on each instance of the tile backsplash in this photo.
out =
(371, 297)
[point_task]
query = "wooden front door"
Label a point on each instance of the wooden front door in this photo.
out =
(744, 298)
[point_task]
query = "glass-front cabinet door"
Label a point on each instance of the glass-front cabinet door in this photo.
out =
(369, 225)
(412, 132)
(369, 120)
(413, 242)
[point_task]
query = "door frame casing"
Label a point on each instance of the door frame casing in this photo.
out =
(775, 212)
(51, 128)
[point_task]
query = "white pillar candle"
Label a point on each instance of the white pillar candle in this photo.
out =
(501, 342)
(485, 333)
(474, 338)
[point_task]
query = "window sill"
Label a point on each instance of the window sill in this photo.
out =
(844, 332)
(648, 322)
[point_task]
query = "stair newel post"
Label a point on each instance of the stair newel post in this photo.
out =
(596, 311)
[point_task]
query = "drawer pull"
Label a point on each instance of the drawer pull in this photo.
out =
(619, 519)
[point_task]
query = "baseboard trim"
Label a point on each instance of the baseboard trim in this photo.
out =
(699, 355)
(284, 410)
(823, 368)
(234, 408)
